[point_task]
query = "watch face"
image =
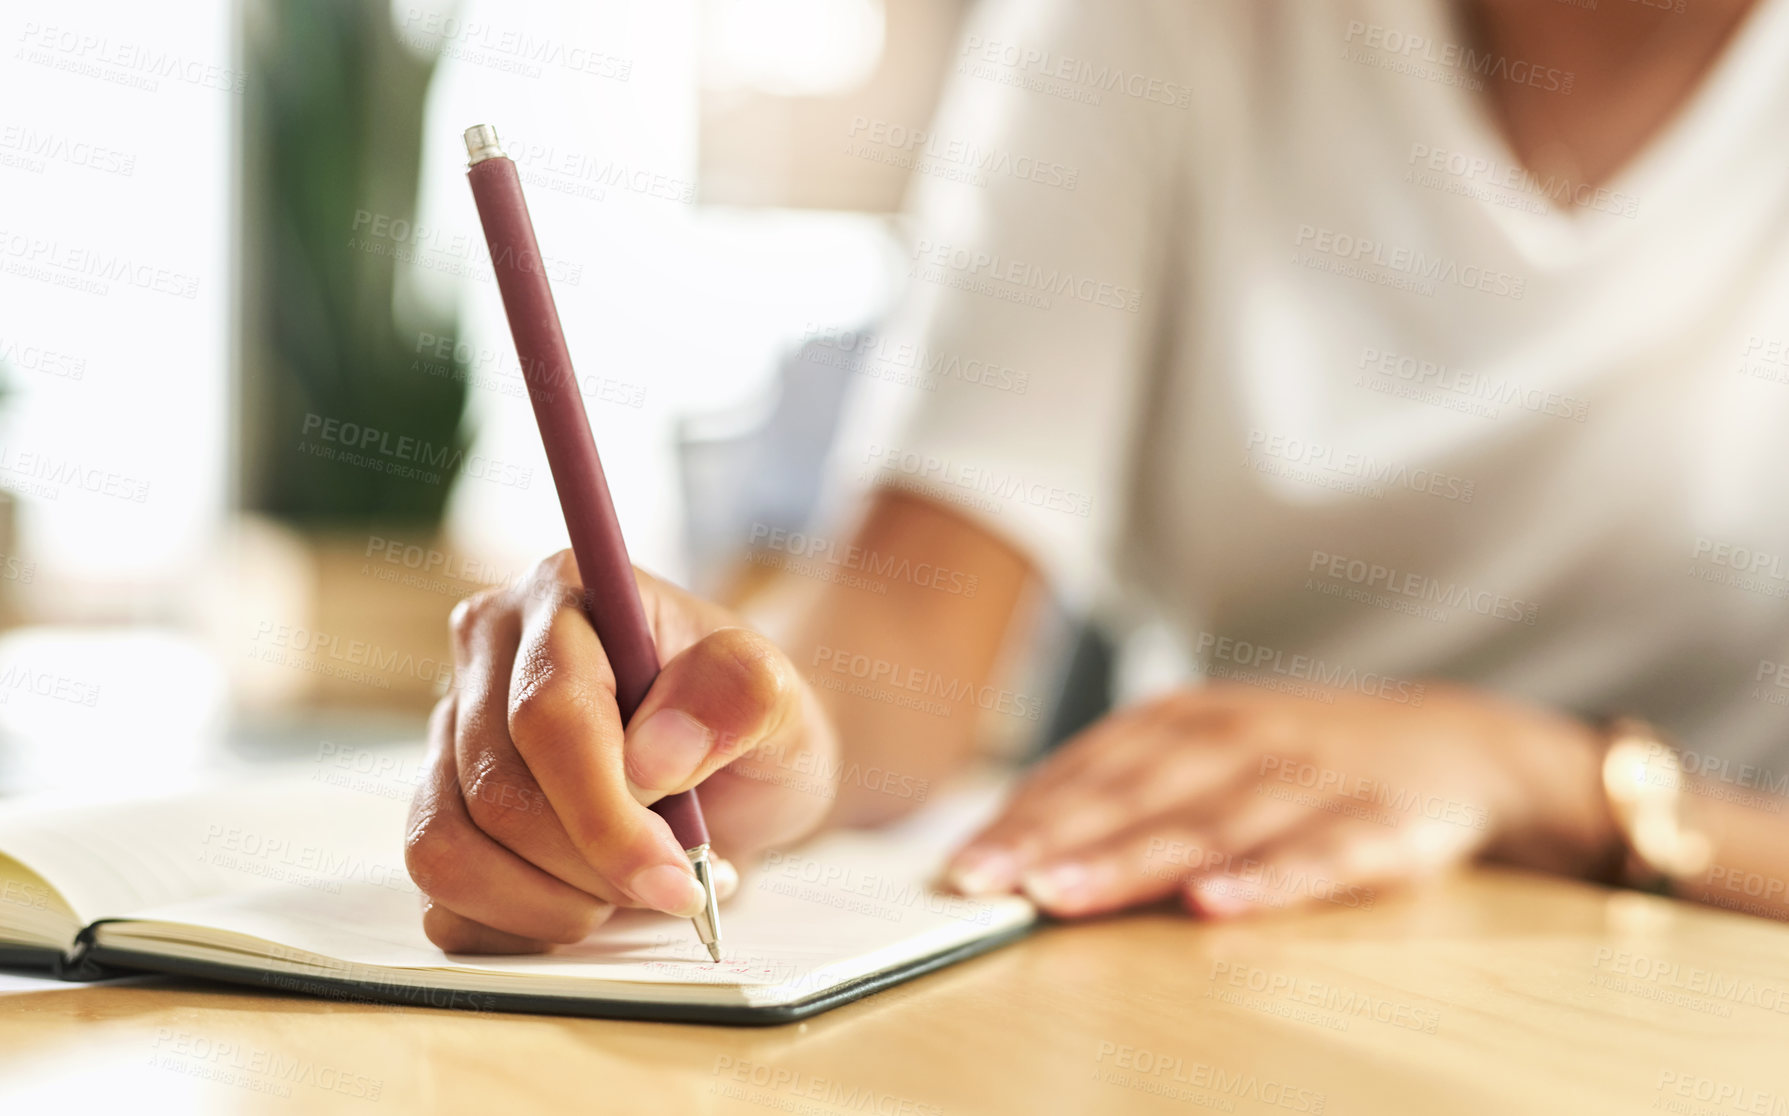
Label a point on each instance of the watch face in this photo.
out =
(1630, 770)
(1644, 785)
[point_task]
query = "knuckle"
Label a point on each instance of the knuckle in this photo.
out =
(470, 615)
(751, 683)
(550, 707)
(560, 565)
(555, 578)
(432, 850)
(492, 792)
(759, 661)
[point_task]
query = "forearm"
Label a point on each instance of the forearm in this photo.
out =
(1566, 827)
(896, 665)
(1750, 832)
(1748, 829)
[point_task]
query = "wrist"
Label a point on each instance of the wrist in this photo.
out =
(1564, 824)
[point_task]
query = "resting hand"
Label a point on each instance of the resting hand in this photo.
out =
(1234, 799)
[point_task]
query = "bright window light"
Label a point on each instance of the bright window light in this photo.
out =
(791, 48)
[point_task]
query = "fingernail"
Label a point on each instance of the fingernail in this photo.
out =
(666, 750)
(984, 872)
(1058, 887)
(669, 889)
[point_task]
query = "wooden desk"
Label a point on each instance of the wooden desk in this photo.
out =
(1492, 992)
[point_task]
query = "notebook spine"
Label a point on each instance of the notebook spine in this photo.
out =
(77, 965)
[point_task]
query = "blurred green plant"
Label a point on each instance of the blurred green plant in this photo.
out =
(332, 139)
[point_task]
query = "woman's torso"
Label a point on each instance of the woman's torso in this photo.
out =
(1423, 414)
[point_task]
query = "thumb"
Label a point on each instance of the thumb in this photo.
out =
(718, 699)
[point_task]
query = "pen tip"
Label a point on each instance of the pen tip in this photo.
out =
(714, 950)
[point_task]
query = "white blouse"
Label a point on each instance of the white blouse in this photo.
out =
(1242, 319)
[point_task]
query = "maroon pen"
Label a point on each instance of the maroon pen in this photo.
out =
(611, 597)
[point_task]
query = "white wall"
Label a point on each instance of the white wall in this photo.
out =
(116, 166)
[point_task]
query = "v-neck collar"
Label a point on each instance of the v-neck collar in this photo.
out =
(1696, 142)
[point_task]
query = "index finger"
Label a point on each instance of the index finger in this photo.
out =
(565, 725)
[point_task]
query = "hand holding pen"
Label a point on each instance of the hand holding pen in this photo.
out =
(564, 761)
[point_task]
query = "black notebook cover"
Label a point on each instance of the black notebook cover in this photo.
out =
(100, 959)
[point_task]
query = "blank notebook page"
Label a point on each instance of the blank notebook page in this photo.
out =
(845, 906)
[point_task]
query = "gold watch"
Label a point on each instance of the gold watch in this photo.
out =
(1644, 785)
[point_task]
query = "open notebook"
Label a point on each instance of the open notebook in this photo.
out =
(295, 881)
